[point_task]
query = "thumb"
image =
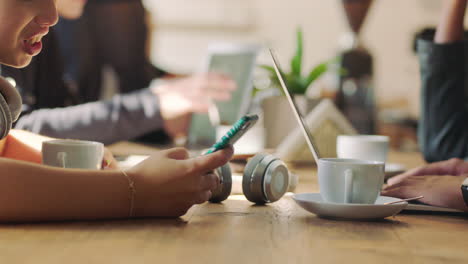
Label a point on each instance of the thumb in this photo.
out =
(206, 163)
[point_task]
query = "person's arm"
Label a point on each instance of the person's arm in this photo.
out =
(444, 114)
(450, 28)
(123, 117)
(163, 105)
(438, 182)
(22, 145)
(165, 185)
(26, 146)
(438, 190)
(31, 192)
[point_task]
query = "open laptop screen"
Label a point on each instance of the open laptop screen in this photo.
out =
(300, 119)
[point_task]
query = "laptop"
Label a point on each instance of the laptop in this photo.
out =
(315, 152)
(300, 119)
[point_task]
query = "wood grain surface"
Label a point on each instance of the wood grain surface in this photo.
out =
(237, 231)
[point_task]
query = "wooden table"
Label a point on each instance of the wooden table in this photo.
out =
(239, 232)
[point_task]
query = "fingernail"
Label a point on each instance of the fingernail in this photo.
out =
(107, 163)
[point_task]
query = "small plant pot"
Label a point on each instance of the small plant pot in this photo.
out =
(279, 119)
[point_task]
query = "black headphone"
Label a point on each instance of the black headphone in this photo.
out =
(265, 180)
(10, 106)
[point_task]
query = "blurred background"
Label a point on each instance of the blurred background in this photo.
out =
(180, 31)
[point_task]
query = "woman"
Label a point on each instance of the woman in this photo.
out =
(443, 126)
(166, 184)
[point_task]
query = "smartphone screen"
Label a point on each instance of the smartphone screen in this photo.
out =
(235, 133)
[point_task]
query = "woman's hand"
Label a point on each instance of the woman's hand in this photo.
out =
(453, 167)
(168, 183)
(438, 190)
(438, 182)
(108, 161)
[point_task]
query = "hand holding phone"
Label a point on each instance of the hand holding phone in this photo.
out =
(235, 133)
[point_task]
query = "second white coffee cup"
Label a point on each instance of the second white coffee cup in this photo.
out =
(350, 180)
(70, 153)
(364, 147)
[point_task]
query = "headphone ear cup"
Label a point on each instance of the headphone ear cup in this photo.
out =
(224, 189)
(253, 179)
(275, 181)
(248, 171)
(252, 164)
(12, 98)
(5, 118)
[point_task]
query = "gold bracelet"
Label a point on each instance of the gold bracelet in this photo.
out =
(131, 195)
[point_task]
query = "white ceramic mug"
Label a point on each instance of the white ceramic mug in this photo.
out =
(363, 147)
(70, 153)
(350, 180)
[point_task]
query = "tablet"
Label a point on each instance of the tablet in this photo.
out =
(238, 62)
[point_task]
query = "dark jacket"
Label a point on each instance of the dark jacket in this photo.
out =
(120, 42)
(443, 126)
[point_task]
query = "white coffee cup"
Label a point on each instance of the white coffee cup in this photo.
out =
(70, 153)
(350, 180)
(363, 147)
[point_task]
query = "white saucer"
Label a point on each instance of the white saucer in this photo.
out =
(313, 203)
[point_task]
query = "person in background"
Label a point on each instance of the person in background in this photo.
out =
(166, 184)
(55, 108)
(443, 126)
(89, 43)
(443, 130)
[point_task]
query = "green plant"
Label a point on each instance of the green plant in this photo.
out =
(295, 81)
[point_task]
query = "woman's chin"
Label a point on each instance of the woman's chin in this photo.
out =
(21, 62)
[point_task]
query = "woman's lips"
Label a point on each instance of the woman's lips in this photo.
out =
(32, 48)
(33, 44)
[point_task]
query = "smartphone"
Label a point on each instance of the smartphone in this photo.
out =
(236, 132)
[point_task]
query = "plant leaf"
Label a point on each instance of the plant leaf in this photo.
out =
(269, 69)
(316, 72)
(296, 62)
(294, 83)
(273, 76)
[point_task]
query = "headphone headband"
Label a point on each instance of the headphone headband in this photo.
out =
(10, 106)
